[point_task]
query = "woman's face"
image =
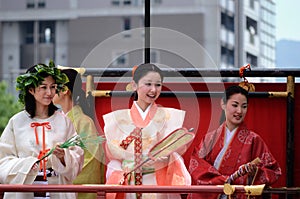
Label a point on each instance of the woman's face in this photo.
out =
(148, 89)
(235, 110)
(45, 92)
(59, 97)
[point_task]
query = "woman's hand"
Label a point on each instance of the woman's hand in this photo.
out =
(157, 163)
(60, 154)
(35, 167)
(251, 168)
(248, 168)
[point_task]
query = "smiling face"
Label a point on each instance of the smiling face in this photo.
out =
(235, 110)
(45, 92)
(148, 89)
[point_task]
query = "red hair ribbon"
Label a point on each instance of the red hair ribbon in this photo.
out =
(242, 70)
(133, 70)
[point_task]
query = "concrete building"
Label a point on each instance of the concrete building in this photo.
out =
(109, 33)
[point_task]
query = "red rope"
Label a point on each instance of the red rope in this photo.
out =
(44, 150)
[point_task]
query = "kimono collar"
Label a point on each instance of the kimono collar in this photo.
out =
(229, 134)
(242, 126)
(142, 113)
(137, 118)
(128, 119)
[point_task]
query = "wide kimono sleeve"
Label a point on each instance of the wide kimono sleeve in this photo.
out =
(201, 165)
(114, 135)
(269, 170)
(203, 172)
(74, 157)
(14, 169)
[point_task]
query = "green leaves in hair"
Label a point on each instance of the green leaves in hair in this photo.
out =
(34, 79)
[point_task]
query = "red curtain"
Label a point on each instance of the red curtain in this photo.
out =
(266, 116)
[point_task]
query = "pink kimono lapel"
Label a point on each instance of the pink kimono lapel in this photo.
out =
(138, 120)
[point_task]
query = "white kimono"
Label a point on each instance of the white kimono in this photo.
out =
(119, 124)
(20, 146)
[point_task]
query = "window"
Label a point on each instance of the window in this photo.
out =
(251, 59)
(30, 4)
(120, 59)
(46, 32)
(252, 29)
(28, 29)
(156, 2)
(227, 21)
(115, 2)
(41, 4)
(36, 4)
(154, 56)
(227, 55)
(127, 24)
(251, 24)
(121, 2)
(47, 35)
(127, 2)
(251, 4)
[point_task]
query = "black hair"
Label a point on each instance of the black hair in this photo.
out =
(30, 103)
(78, 94)
(231, 90)
(144, 69)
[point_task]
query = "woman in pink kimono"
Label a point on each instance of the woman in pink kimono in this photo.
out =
(230, 148)
(131, 133)
(31, 133)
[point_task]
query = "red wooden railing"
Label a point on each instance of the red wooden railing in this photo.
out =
(101, 190)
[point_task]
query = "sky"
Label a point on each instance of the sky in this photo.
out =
(287, 19)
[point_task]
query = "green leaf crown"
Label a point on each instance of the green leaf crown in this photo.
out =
(34, 79)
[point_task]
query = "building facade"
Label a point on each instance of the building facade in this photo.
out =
(109, 33)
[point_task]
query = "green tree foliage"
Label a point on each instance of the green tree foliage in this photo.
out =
(8, 106)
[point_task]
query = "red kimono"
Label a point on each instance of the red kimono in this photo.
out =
(244, 147)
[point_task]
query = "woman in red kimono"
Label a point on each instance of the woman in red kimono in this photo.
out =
(232, 147)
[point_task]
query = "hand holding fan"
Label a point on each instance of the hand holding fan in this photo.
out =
(173, 142)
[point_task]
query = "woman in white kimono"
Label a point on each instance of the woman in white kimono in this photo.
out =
(131, 133)
(31, 133)
(74, 104)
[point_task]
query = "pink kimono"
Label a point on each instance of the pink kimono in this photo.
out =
(158, 123)
(244, 147)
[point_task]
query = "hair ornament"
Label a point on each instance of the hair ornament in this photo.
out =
(34, 79)
(128, 86)
(245, 84)
(133, 70)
